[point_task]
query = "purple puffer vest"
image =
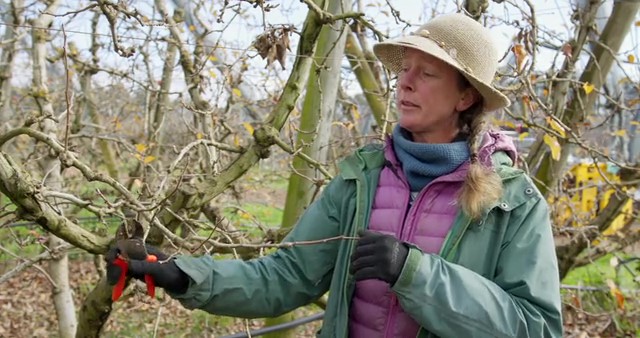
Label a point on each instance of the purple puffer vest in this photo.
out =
(375, 311)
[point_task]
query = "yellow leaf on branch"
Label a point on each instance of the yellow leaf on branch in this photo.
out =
(141, 147)
(248, 127)
(556, 126)
(624, 80)
(356, 112)
(149, 159)
(553, 144)
(237, 92)
(117, 124)
(588, 87)
(508, 124)
(620, 133)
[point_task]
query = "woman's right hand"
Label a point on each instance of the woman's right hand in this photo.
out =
(164, 270)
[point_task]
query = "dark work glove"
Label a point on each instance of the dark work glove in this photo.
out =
(165, 272)
(378, 256)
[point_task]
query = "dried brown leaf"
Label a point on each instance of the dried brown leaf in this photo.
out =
(567, 50)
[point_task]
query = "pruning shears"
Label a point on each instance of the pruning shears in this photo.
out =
(130, 244)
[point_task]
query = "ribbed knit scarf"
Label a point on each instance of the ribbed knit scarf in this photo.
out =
(424, 162)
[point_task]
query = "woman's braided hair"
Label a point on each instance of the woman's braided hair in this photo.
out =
(482, 187)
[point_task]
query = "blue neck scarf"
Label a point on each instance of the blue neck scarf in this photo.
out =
(424, 162)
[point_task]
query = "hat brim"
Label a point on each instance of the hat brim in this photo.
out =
(390, 53)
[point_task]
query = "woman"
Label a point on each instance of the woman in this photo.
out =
(458, 242)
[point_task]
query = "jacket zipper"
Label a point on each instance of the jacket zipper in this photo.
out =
(447, 249)
(454, 247)
(351, 244)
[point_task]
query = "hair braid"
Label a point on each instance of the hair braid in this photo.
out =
(482, 187)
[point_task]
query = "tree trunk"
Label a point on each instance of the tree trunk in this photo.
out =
(368, 82)
(95, 311)
(59, 265)
(559, 91)
(315, 126)
(317, 115)
(11, 17)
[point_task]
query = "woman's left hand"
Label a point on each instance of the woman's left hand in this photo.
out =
(378, 256)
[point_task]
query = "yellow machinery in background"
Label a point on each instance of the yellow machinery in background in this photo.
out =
(587, 193)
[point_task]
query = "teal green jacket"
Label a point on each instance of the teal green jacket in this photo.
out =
(496, 277)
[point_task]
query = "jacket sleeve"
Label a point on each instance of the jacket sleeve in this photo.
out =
(274, 284)
(522, 300)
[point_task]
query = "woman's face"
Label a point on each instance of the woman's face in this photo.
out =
(430, 97)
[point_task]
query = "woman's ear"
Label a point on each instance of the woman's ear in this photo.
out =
(469, 96)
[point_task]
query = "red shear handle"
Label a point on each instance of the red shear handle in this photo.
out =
(151, 285)
(119, 287)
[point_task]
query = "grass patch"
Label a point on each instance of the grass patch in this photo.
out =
(250, 213)
(601, 270)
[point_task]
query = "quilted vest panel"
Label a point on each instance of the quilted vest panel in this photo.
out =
(375, 311)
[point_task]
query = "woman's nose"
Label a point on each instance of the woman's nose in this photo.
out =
(405, 80)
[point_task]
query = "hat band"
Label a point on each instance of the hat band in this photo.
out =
(453, 53)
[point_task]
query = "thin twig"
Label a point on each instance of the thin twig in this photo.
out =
(157, 324)
(31, 262)
(283, 245)
(282, 144)
(66, 89)
(89, 7)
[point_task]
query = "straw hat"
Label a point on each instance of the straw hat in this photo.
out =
(459, 41)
